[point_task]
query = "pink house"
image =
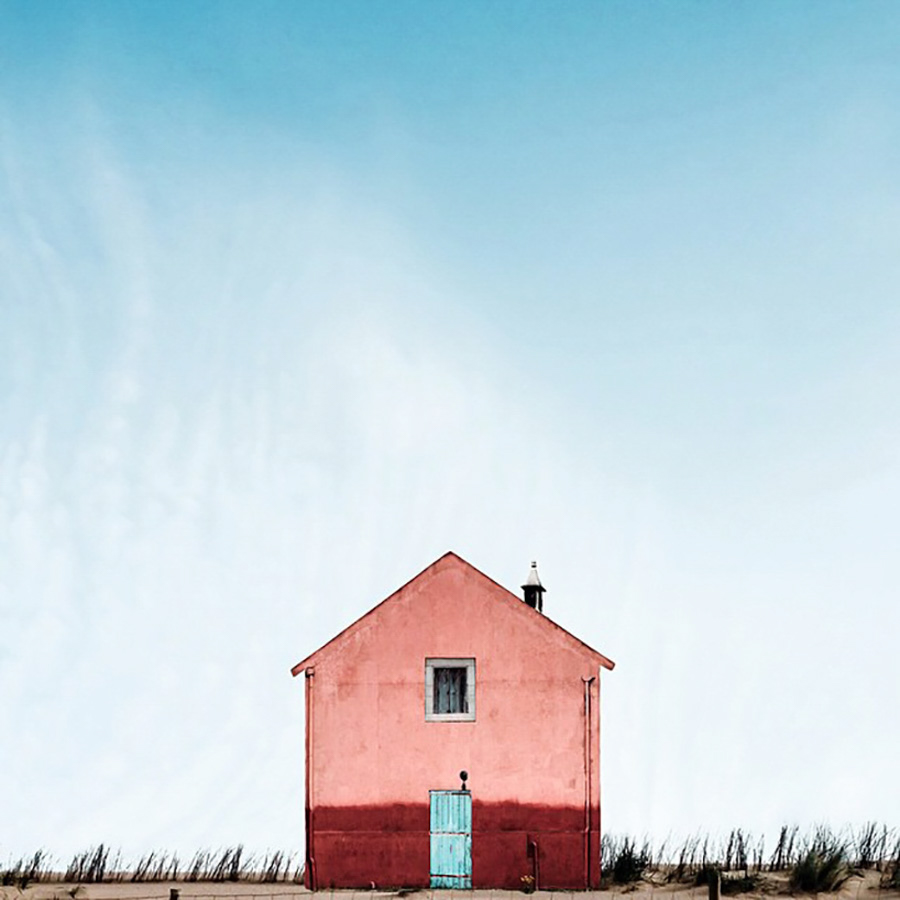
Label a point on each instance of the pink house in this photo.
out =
(453, 740)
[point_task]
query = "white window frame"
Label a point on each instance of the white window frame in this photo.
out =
(442, 662)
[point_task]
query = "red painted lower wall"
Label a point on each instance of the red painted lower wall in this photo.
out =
(354, 847)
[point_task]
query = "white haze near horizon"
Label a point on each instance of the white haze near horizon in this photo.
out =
(231, 424)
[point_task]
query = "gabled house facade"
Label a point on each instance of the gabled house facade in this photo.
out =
(453, 740)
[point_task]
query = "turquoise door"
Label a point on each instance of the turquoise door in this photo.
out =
(451, 839)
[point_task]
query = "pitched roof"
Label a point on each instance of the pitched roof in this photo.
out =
(452, 557)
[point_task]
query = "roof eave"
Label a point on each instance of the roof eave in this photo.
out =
(301, 666)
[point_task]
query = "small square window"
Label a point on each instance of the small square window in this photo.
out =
(449, 690)
(449, 694)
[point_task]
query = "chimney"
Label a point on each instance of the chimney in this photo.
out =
(534, 590)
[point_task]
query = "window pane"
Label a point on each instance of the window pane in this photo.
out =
(450, 691)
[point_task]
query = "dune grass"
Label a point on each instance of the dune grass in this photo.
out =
(26, 870)
(96, 865)
(817, 860)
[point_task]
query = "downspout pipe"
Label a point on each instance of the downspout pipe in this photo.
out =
(535, 852)
(587, 780)
(310, 804)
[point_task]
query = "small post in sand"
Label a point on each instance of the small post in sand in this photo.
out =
(715, 883)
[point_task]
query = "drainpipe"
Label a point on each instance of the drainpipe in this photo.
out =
(536, 864)
(310, 806)
(587, 780)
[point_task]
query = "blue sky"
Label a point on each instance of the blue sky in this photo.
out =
(295, 298)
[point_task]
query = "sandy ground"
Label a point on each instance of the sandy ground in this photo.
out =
(867, 887)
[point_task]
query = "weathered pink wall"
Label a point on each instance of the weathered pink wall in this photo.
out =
(372, 757)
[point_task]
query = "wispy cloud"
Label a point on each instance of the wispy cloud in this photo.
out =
(240, 452)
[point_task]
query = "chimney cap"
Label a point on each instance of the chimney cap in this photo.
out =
(533, 580)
